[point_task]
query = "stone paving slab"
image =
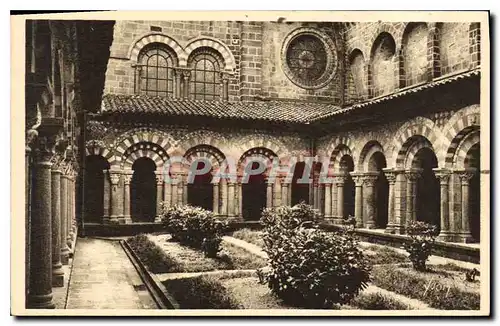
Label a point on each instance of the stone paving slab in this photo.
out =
(104, 278)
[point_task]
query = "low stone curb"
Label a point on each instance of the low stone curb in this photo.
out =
(157, 290)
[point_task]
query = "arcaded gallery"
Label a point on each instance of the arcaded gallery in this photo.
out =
(391, 109)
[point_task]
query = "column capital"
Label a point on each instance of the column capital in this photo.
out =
(339, 178)
(127, 178)
(159, 177)
(465, 175)
(390, 175)
(370, 178)
(358, 178)
(114, 177)
(443, 175)
(413, 174)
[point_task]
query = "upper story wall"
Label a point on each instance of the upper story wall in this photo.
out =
(384, 57)
(252, 56)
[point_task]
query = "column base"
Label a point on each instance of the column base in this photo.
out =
(465, 237)
(65, 256)
(105, 220)
(370, 225)
(394, 229)
(128, 219)
(446, 236)
(57, 276)
(40, 301)
(114, 220)
(157, 219)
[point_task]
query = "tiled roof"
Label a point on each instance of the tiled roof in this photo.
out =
(270, 110)
(403, 92)
(277, 111)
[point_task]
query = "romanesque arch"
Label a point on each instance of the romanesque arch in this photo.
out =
(208, 138)
(99, 148)
(162, 140)
(256, 193)
(144, 149)
(269, 142)
(418, 126)
(213, 43)
(200, 190)
(144, 40)
(460, 125)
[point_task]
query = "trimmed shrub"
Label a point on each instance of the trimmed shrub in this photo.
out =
(195, 227)
(151, 255)
(308, 267)
(420, 244)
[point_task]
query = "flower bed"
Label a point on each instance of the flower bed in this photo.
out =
(187, 259)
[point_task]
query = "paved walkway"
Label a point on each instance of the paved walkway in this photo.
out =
(104, 278)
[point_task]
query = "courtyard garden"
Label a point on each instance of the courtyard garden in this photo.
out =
(292, 264)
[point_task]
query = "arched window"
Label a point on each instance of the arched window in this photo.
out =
(206, 75)
(155, 70)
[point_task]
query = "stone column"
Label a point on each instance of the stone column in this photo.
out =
(107, 196)
(223, 206)
(180, 190)
(340, 180)
(116, 200)
(225, 89)
(328, 200)
(316, 192)
(411, 193)
(178, 81)
(71, 197)
(167, 193)
(159, 196)
(240, 199)
(465, 177)
(185, 77)
(277, 192)
(358, 179)
(335, 218)
(392, 225)
(184, 189)
(216, 199)
(231, 199)
(57, 272)
(269, 194)
(285, 189)
(369, 199)
(40, 281)
(64, 219)
(444, 177)
(127, 178)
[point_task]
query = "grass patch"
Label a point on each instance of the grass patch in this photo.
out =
(377, 301)
(439, 290)
(152, 256)
(383, 255)
(250, 236)
(187, 259)
(201, 292)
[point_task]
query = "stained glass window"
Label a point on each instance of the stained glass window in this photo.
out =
(156, 74)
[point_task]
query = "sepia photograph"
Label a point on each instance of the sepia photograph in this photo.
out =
(259, 163)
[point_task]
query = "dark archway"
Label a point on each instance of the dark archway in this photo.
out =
(381, 196)
(473, 162)
(143, 190)
(94, 188)
(254, 195)
(201, 190)
(428, 195)
(300, 191)
(346, 166)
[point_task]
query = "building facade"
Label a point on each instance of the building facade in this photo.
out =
(392, 109)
